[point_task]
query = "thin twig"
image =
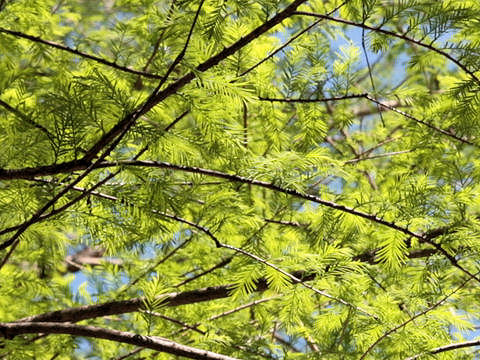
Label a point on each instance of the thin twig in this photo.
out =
(394, 34)
(292, 39)
(378, 156)
(175, 321)
(25, 118)
(294, 278)
(77, 52)
(158, 263)
(437, 304)
(411, 117)
(184, 49)
(448, 347)
(219, 265)
(229, 312)
(369, 67)
(334, 98)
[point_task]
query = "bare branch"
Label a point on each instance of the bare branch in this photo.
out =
(334, 98)
(9, 330)
(448, 347)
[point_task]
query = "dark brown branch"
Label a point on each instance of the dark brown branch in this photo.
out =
(160, 38)
(334, 98)
(82, 54)
(292, 39)
(9, 330)
(174, 122)
(286, 223)
(127, 306)
(396, 35)
(25, 118)
(267, 185)
(448, 347)
(181, 298)
(157, 97)
(180, 56)
(264, 184)
(408, 116)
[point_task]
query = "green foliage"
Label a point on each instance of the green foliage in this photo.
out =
(164, 159)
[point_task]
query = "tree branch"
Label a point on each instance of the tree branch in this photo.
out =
(292, 39)
(393, 34)
(180, 56)
(408, 116)
(84, 312)
(448, 347)
(267, 185)
(264, 184)
(117, 307)
(334, 98)
(157, 97)
(25, 118)
(351, 161)
(9, 330)
(112, 64)
(405, 323)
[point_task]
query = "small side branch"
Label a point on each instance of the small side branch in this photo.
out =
(334, 98)
(405, 323)
(396, 35)
(112, 64)
(25, 118)
(9, 330)
(448, 347)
